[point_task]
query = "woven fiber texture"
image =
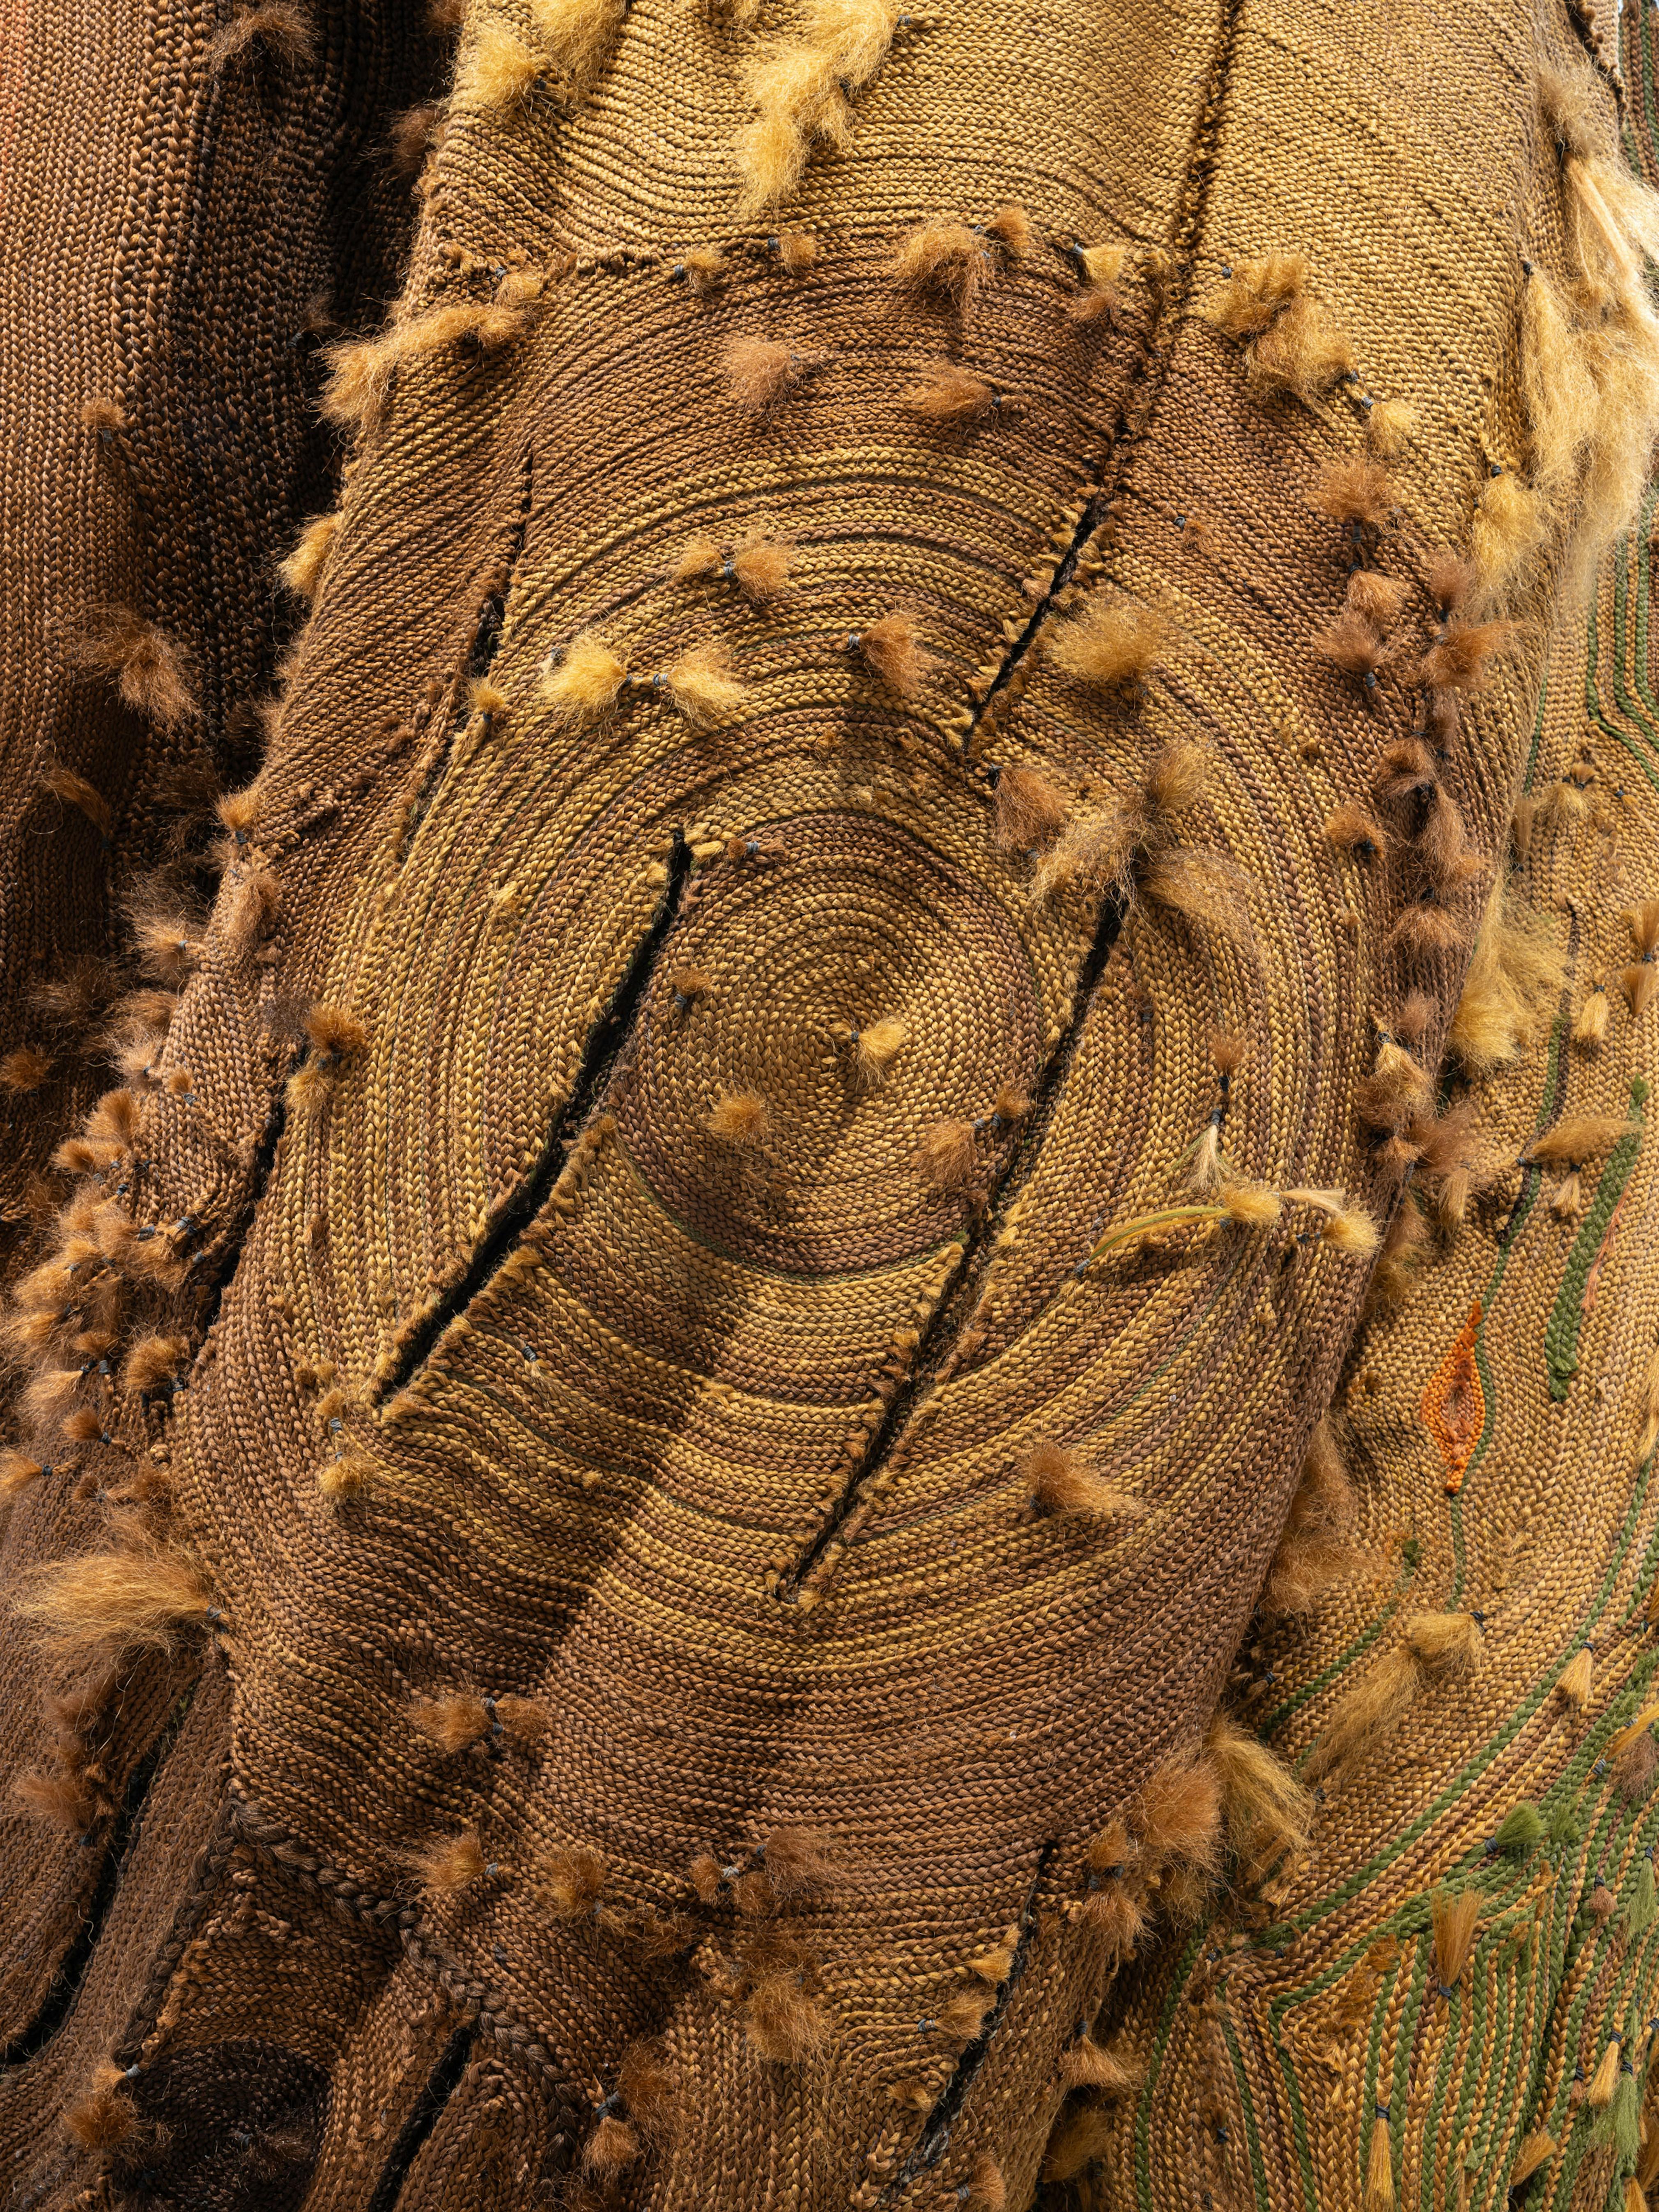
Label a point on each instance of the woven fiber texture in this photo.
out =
(1498, 1436)
(1342, 2035)
(839, 960)
(184, 217)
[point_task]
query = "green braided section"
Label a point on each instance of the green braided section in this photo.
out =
(1547, 1972)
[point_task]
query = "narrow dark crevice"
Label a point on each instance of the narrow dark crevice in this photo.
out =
(1143, 388)
(1062, 577)
(487, 632)
(1145, 380)
(224, 1274)
(122, 1834)
(604, 1047)
(940, 1332)
(213, 1285)
(425, 2114)
(935, 2137)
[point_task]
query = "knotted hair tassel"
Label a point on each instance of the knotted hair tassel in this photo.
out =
(1390, 426)
(1357, 494)
(336, 1038)
(1266, 1808)
(874, 1048)
(803, 89)
(1112, 646)
(1315, 1552)
(1396, 1089)
(785, 2023)
(1209, 1165)
(252, 911)
(952, 397)
(577, 34)
(1458, 660)
(145, 1596)
(569, 1879)
(703, 688)
(450, 1863)
(1567, 1199)
(1605, 2080)
(1292, 344)
(891, 648)
(1258, 291)
(961, 2017)
(1375, 599)
(1097, 854)
(499, 70)
(760, 373)
(945, 263)
(1640, 982)
(1089, 2065)
(1177, 1815)
(1369, 1716)
(460, 1719)
(1574, 1686)
(580, 686)
(1625, 2114)
(26, 1068)
(640, 2110)
(1379, 2166)
(302, 570)
(1354, 828)
(1026, 809)
(151, 674)
(155, 1363)
(1447, 1644)
(801, 1861)
(17, 1471)
(947, 1159)
(949, 265)
(612, 2146)
(1454, 1920)
(985, 2188)
(1590, 1031)
(1205, 1173)
(276, 27)
(1580, 1136)
(1082, 2134)
(106, 2118)
(758, 565)
(1352, 644)
(702, 269)
(1060, 1480)
(86, 798)
(1100, 267)
(741, 1119)
(1536, 2149)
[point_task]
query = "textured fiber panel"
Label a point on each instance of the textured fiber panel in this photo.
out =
(1492, 1481)
(179, 229)
(738, 1427)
